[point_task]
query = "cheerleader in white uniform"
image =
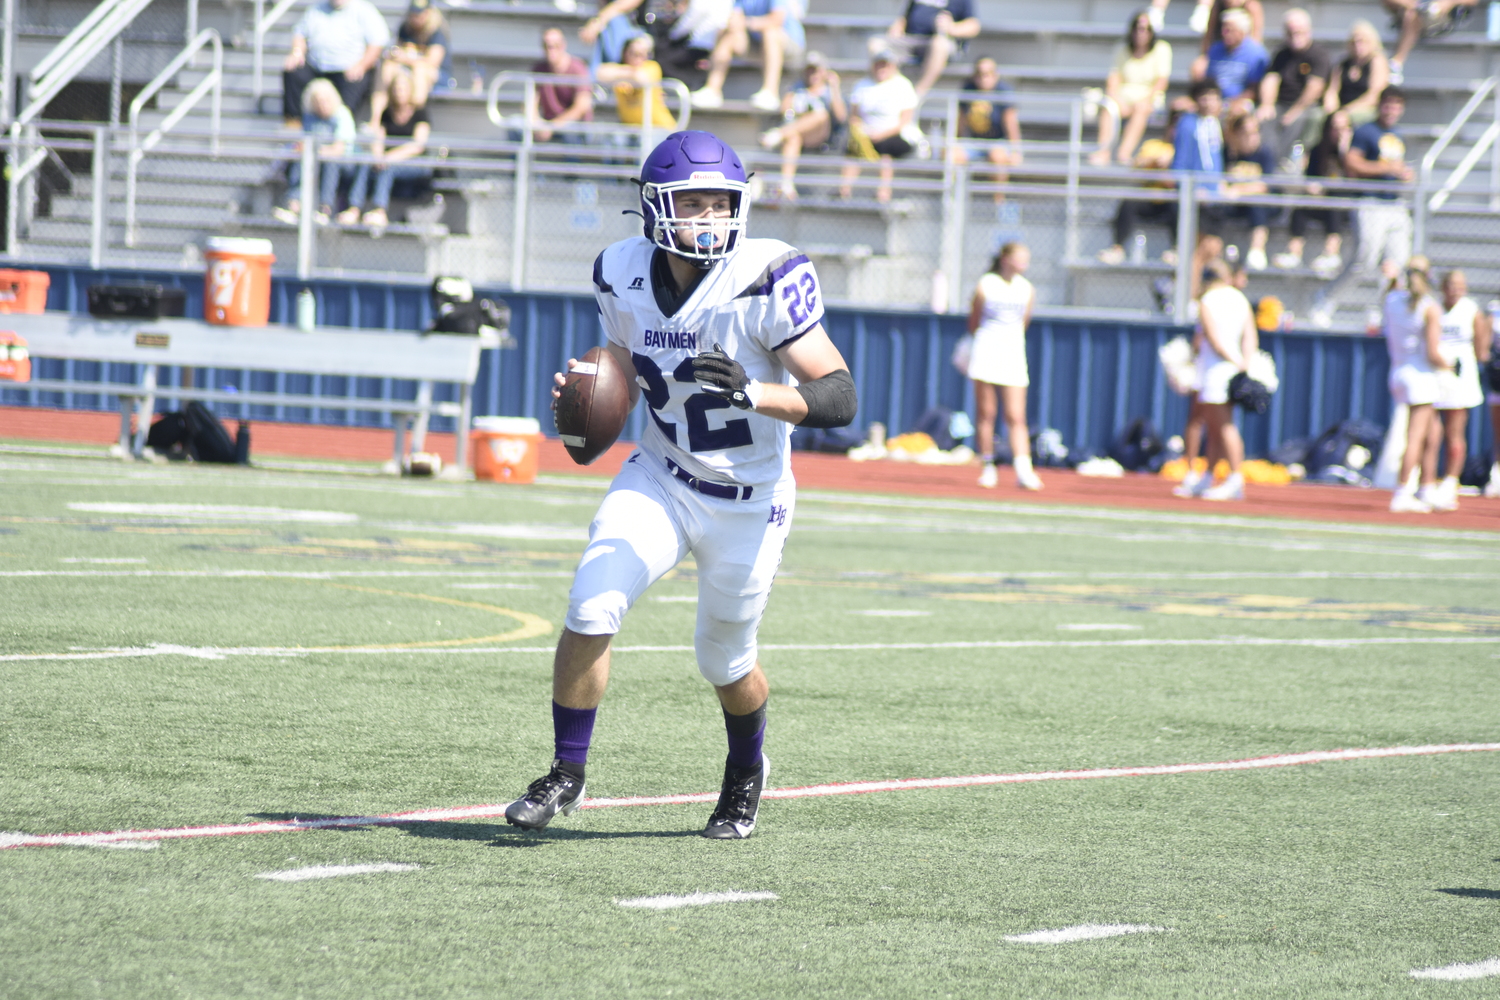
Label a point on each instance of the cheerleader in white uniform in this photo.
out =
(998, 318)
(1229, 340)
(1413, 336)
(1466, 333)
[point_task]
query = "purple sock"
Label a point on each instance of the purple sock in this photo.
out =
(572, 729)
(747, 734)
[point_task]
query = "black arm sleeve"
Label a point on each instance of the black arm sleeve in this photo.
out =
(830, 400)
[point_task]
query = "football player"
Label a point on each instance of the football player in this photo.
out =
(725, 337)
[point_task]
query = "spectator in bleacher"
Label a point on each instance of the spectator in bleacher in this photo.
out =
(608, 31)
(1198, 143)
(777, 26)
(1418, 19)
(630, 80)
(811, 113)
(991, 120)
(1213, 28)
(559, 102)
(929, 33)
(404, 121)
(1325, 160)
(328, 120)
(1291, 94)
(336, 40)
(1382, 224)
(1154, 154)
(1135, 88)
(1248, 163)
(685, 31)
(424, 50)
(1360, 79)
(882, 107)
(1236, 62)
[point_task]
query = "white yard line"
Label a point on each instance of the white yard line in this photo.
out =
(1474, 970)
(1097, 627)
(449, 814)
(892, 613)
(333, 871)
(695, 899)
(220, 652)
(1083, 932)
(217, 512)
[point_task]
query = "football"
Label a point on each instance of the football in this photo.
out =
(593, 405)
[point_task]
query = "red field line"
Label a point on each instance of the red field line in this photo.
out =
(12, 840)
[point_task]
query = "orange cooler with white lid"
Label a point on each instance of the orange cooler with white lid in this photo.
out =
(237, 284)
(506, 449)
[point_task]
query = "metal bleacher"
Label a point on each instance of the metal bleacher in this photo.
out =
(869, 253)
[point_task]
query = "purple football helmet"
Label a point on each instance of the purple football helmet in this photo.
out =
(694, 161)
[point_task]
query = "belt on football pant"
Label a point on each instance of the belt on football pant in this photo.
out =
(722, 491)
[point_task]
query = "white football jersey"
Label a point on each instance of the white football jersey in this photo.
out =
(761, 298)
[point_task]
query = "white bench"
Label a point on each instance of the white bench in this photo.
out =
(192, 343)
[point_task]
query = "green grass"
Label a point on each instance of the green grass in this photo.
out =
(1314, 881)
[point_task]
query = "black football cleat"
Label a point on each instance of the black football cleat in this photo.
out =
(739, 801)
(555, 792)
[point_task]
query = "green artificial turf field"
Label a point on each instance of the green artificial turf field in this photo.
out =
(190, 647)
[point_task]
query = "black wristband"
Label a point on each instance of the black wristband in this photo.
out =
(830, 400)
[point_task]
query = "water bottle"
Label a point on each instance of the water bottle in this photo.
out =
(1138, 249)
(307, 310)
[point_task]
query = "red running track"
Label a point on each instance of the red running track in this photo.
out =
(829, 472)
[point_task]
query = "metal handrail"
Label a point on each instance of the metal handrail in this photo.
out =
(75, 52)
(1429, 162)
(1459, 121)
(263, 23)
(139, 148)
(1467, 164)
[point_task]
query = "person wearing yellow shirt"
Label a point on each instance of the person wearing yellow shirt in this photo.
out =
(630, 79)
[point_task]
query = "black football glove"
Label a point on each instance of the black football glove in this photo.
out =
(723, 376)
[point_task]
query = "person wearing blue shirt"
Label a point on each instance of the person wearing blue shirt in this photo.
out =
(1199, 145)
(1236, 62)
(989, 115)
(777, 25)
(1382, 223)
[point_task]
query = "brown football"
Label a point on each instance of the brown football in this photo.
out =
(593, 406)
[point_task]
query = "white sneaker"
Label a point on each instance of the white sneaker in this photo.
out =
(1492, 488)
(765, 100)
(1193, 485)
(1232, 488)
(1327, 265)
(1158, 18)
(1397, 75)
(1406, 502)
(1255, 259)
(1027, 479)
(705, 98)
(989, 477)
(770, 138)
(1436, 498)
(1114, 256)
(283, 214)
(1198, 21)
(1287, 261)
(1322, 317)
